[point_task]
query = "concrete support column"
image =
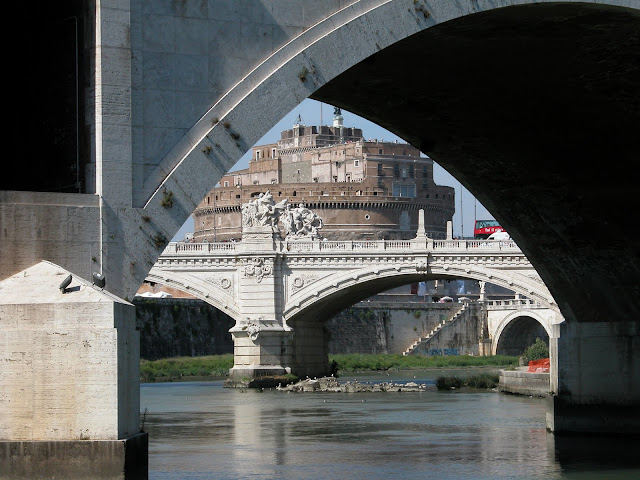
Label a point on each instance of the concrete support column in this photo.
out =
(597, 368)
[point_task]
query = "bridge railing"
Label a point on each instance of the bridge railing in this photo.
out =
(475, 244)
(352, 245)
(511, 304)
(182, 247)
(348, 245)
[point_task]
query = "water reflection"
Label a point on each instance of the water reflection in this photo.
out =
(200, 431)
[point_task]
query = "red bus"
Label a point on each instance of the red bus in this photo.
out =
(484, 228)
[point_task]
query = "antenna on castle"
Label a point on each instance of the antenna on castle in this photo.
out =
(321, 114)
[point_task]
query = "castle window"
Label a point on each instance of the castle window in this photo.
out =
(379, 169)
(380, 151)
(356, 163)
(411, 171)
(226, 184)
(396, 170)
(258, 155)
(403, 190)
(425, 172)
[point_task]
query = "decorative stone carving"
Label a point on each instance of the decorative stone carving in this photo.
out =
(421, 266)
(253, 329)
(262, 211)
(222, 282)
(257, 268)
(301, 222)
(302, 281)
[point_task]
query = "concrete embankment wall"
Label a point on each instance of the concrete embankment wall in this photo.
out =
(176, 327)
(521, 382)
(459, 337)
(381, 327)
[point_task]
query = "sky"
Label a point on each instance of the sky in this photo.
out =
(316, 113)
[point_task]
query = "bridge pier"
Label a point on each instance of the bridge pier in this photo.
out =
(69, 379)
(597, 378)
(262, 343)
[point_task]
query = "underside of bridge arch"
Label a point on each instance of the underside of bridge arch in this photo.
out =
(535, 109)
(197, 290)
(520, 333)
(341, 298)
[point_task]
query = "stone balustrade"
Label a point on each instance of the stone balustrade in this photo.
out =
(486, 247)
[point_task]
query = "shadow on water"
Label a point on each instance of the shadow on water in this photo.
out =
(596, 453)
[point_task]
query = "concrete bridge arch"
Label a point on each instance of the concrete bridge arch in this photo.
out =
(213, 291)
(520, 316)
(338, 291)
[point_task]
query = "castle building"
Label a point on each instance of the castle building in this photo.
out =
(362, 189)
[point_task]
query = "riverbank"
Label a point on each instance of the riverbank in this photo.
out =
(216, 367)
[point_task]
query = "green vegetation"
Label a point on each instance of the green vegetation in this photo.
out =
(482, 380)
(217, 366)
(209, 367)
(536, 351)
(361, 362)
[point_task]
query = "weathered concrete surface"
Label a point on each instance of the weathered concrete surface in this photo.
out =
(521, 382)
(76, 459)
(374, 327)
(598, 375)
(69, 366)
(181, 327)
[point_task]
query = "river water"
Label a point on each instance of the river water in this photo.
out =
(205, 431)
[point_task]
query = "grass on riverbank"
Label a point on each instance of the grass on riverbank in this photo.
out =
(362, 362)
(217, 366)
(208, 367)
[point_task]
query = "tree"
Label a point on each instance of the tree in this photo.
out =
(536, 351)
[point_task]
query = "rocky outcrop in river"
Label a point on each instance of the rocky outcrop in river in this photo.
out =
(331, 384)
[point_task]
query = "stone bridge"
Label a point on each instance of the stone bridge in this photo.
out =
(280, 293)
(531, 105)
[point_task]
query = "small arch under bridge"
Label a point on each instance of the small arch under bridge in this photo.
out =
(281, 292)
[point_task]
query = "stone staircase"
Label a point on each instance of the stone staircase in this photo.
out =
(432, 333)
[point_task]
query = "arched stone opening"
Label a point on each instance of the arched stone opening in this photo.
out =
(519, 115)
(311, 337)
(521, 332)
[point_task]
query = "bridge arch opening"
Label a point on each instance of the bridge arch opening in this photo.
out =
(520, 333)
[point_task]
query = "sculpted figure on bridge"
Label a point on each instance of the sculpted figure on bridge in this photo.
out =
(262, 211)
(301, 222)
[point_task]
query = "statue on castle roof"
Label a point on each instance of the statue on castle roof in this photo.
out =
(337, 111)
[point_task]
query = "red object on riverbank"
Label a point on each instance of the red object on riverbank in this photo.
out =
(539, 366)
